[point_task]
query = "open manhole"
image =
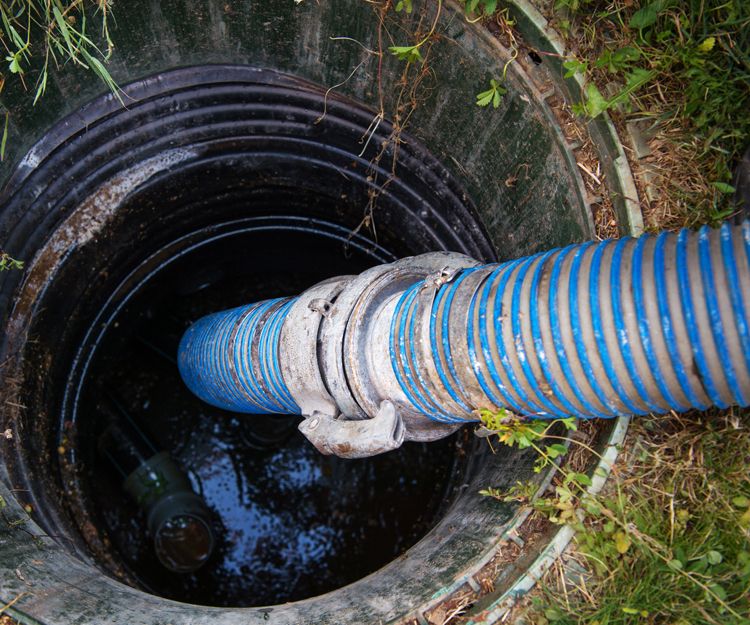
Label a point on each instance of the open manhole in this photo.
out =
(220, 184)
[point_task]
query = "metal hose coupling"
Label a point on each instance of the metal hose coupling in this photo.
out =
(413, 349)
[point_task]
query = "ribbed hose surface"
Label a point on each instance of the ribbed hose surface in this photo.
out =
(623, 327)
(231, 359)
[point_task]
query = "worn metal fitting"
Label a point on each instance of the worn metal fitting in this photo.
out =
(352, 404)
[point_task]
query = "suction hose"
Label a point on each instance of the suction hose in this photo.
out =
(411, 350)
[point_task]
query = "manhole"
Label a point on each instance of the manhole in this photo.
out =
(223, 184)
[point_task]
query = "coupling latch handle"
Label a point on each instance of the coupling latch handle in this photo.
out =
(359, 438)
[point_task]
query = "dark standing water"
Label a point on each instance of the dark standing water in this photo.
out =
(290, 523)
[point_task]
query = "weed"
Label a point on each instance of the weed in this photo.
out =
(668, 542)
(412, 54)
(685, 66)
(404, 5)
(494, 94)
(496, 91)
(51, 33)
(474, 10)
(514, 431)
(478, 9)
(7, 262)
(594, 103)
(522, 492)
(409, 92)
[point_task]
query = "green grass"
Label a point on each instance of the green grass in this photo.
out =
(40, 36)
(49, 33)
(668, 541)
(672, 541)
(685, 65)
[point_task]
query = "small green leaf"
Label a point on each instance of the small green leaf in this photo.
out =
(582, 479)
(741, 501)
(637, 78)
(714, 557)
(627, 610)
(718, 591)
(494, 94)
(15, 64)
(63, 27)
(592, 506)
(698, 565)
(570, 423)
(15, 36)
(707, 45)
(622, 543)
(6, 264)
(617, 60)
(675, 565)
(574, 66)
(404, 5)
(406, 53)
(596, 103)
(41, 86)
(723, 187)
(626, 54)
(644, 17)
(579, 109)
(490, 6)
(484, 98)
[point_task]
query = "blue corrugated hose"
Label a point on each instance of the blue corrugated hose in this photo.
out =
(624, 327)
(231, 359)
